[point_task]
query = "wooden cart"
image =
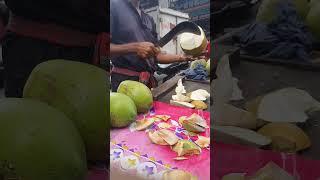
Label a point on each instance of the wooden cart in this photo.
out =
(165, 91)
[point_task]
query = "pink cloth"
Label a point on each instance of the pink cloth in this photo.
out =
(240, 159)
(139, 142)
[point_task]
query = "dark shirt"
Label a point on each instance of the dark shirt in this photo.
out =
(83, 15)
(127, 26)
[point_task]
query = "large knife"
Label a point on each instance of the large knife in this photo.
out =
(182, 27)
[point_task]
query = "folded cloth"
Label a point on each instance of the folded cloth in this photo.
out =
(287, 37)
(198, 73)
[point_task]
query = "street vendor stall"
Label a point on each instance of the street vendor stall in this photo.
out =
(165, 138)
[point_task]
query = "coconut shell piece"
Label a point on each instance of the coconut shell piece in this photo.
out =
(199, 105)
(271, 172)
(156, 139)
(164, 125)
(192, 127)
(198, 120)
(194, 123)
(286, 137)
(203, 142)
(163, 117)
(181, 119)
(185, 147)
(168, 136)
(144, 124)
(178, 175)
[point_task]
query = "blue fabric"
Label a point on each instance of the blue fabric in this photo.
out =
(198, 73)
(127, 26)
(286, 37)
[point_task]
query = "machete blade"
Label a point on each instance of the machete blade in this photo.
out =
(183, 27)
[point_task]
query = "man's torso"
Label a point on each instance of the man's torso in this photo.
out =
(127, 26)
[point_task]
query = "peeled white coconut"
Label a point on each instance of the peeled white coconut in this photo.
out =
(199, 95)
(180, 89)
(287, 105)
(193, 44)
(223, 85)
(236, 135)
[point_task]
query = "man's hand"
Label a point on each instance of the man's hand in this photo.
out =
(146, 50)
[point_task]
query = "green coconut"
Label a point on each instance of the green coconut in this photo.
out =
(202, 62)
(123, 111)
(268, 9)
(312, 20)
(193, 44)
(80, 91)
(139, 93)
(39, 142)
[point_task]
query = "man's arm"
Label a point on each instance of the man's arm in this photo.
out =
(117, 50)
(171, 58)
(143, 49)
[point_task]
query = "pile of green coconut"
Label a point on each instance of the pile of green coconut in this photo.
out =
(131, 98)
(309, 12)
(60, 124)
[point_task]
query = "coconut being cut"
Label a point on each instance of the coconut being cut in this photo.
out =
(193, 44)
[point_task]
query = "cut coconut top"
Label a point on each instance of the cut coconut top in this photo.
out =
(190, 41)
(287, 105)
(199, 95)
